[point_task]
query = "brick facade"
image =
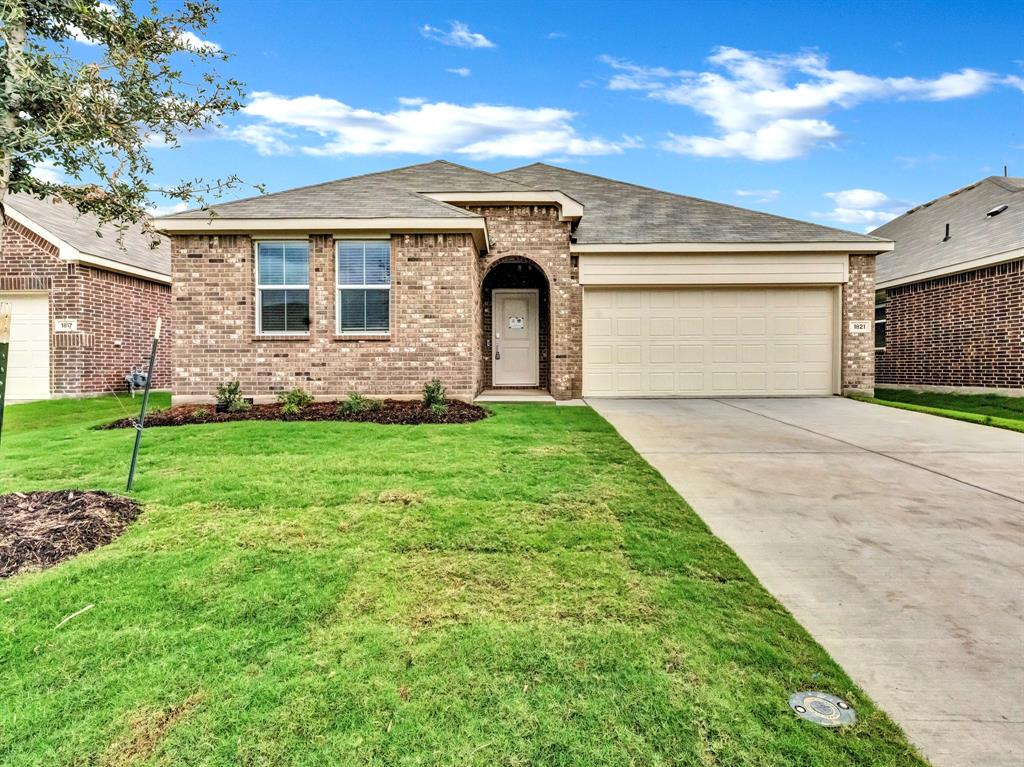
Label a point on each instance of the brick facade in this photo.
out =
(535, 233)
(116, 315)
(857, 370)
(963, 330)
(435, 321)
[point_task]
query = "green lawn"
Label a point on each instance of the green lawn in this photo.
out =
(987, 409)
(521, 591)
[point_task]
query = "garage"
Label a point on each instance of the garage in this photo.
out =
(28, 365)
(709, 341)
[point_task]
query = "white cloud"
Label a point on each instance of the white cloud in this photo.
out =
(192, 40)
(760, 195)
(770, 107)
(321, 126)
(1014, 82)
(556, 35)
(460, 71)
(411, 101)
(165, 210)
(48, 173)
(458, 35)
(778, 140)
(866, 208)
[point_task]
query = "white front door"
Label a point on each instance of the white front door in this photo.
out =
(28, 366)
(515, 340)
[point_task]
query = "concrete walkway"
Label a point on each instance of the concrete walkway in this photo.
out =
(895, 538)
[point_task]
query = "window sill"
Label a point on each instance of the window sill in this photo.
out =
(282, 337)
(342, 338)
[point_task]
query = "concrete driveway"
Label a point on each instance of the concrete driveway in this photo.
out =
(895, 538)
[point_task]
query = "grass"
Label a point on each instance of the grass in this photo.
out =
(524, 590)
(987, 409)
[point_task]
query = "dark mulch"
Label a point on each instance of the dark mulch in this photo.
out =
(40, 529)
(391, 411)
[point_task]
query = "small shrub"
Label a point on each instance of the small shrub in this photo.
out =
(297, 397)
(239, 406)
(229, 395)
(200, 413)
(290, 409)
(434, 394)
(439, 408)
(357, 403)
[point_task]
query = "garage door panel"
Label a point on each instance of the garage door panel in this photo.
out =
(28, 364)
(751, 341)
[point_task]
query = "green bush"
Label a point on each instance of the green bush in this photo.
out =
(229, 395)
(200, 413)
(434, 394)
(239, 406)
(357, 403)
(439, 408)
(294, 400)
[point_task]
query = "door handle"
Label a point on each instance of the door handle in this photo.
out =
(497, 353)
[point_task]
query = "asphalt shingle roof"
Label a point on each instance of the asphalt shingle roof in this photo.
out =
(919, 232)
(623, 213)
(390, 193)
(88, 236)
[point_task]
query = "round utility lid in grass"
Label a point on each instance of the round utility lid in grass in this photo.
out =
(822, 708)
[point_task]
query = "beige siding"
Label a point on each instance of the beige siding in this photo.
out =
(713, 269)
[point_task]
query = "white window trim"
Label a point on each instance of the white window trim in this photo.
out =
(883, 305)
(259, 288)
(338, 287)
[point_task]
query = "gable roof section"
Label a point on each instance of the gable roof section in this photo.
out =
(399, 193)
(621, 213)
(976, 239)
(81, 237)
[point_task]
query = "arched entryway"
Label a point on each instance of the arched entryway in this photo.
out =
(516, 333)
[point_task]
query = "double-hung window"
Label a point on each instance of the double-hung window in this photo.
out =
(881, 300)
(282, 287)
(364, 287)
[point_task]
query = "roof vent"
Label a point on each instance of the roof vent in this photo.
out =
(997, 210)
(946, 238)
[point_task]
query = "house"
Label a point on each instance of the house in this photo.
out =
(534, 278)
(949, 311)
(84, 304)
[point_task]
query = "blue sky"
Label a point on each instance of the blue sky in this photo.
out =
(840, 114)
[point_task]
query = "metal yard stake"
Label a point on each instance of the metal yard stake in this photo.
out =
(5, 345)
(141, 423)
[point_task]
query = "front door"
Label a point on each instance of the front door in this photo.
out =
(515, 341)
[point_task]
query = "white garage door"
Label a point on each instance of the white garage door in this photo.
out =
(707, 341)
(28, 365)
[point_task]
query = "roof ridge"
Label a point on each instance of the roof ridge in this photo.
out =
(695, 199)
(478, 171)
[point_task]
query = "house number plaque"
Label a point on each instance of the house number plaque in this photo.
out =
(860, 326)
(516, 323)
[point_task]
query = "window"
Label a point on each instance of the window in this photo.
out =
(364, 287)
(282, 287)
(880, 304)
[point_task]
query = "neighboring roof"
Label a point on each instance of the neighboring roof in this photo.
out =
(976, 239)
(81, 236)
(622, 213)
(396, 193)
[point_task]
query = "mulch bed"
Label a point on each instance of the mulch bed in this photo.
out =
(40, 529)
(391, 411)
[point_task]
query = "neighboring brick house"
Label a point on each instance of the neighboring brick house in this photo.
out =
(84, 298)
(950, 301)
(537, 278)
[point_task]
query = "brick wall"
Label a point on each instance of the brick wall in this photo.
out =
(858, 358)
(961, 330)
(108, 341)
(534, 232)
(435, 321)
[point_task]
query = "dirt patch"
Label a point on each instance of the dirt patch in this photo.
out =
(40, 529)
(391, 411)
(148, 730)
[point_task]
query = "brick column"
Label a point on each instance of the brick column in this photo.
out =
(858, 366)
